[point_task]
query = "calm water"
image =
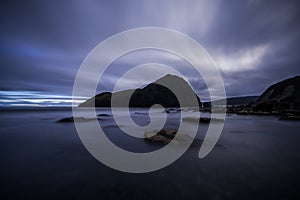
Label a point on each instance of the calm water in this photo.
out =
(256, 158)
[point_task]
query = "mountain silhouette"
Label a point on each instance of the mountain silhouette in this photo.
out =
(153, 93)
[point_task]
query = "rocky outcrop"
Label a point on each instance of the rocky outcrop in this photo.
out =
(282, 99)
(165, 136)
(153, 93)
(281, 96)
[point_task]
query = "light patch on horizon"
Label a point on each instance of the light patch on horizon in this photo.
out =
(34, 99)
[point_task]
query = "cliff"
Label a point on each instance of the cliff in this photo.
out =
(284, 95)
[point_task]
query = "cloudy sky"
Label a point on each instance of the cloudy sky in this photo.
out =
(42, 43)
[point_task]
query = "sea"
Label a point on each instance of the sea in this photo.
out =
(256, 157)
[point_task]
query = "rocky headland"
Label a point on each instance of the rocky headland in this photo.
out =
(153, 93)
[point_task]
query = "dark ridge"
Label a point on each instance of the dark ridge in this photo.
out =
(153, 93)
(283, 95)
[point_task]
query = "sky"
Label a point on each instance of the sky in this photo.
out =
(254, 43)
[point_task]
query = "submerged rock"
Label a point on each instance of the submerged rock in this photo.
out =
(140, 113)
(203, 119)
(165, 136)
(173, 110)
(71, 119)
(104, 115)
(290, 117)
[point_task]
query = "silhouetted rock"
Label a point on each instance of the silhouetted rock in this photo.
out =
(153, 93)
(104, 115)
(281, 96)
(100, 100)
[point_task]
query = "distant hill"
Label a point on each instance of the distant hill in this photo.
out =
(284, 95)
(238, 101)
(153, 93)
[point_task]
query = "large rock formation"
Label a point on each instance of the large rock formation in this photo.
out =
(281, 96)
(153, 93)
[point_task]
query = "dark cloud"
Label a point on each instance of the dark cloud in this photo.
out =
(42, 43)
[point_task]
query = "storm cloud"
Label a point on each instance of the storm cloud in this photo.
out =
(43, 43)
